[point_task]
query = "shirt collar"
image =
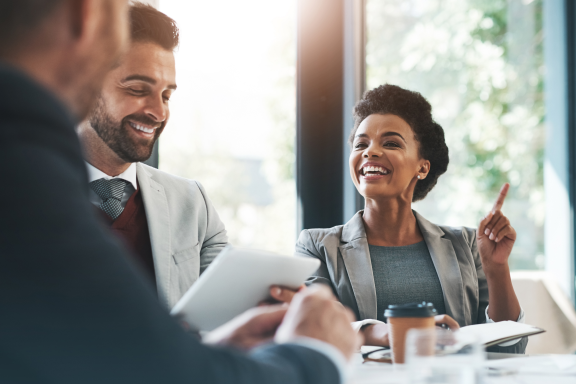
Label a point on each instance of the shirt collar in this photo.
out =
(129, 175)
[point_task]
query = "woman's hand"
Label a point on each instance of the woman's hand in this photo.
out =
(446, 320)
(496, 238)
(495, 235)
(378, 334)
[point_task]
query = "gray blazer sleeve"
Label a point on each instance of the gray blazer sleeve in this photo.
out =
(216, 238)
(520, 346)
(306, 247)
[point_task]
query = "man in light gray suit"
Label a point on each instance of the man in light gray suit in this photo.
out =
(168, 222)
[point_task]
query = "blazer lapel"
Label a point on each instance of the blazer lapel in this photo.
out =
(447, 267)
(158, 217)
(356, 257)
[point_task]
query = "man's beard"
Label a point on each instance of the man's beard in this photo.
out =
(117, 136)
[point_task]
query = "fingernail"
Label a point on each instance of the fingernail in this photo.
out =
(486, 231)
(493, 212)
(497, 239)
(491, 236)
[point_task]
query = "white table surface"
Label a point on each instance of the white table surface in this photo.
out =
(556, 369)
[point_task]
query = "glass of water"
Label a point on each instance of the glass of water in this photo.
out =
(442, 356)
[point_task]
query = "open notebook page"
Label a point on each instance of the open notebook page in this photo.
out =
(502, 331)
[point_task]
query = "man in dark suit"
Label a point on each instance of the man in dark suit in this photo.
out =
(73, 309)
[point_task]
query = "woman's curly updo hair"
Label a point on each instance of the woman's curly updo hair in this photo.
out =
(413, 108)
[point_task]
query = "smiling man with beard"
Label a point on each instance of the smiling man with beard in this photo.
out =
(168, 222)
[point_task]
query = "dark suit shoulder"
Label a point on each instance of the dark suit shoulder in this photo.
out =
(23, 100)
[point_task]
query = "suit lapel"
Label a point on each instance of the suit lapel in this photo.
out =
(158, 218)
(447, 267)
(356, 257)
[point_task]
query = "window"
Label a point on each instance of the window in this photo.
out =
(233, 117)
(480, 64)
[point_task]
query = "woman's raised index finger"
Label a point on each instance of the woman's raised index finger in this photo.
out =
(501, 196)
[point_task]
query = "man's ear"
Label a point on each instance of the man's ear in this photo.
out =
(97, 31)
(84, 18)
(424, 169)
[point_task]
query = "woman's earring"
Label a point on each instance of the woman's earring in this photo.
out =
(418, 176)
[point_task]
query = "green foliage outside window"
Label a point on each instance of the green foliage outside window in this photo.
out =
(480, 64)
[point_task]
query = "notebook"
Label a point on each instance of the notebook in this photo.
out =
(491, 334)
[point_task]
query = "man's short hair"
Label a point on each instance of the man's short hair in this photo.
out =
(148, 25)
(19, 18)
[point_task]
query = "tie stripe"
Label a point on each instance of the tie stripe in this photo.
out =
(110, 191)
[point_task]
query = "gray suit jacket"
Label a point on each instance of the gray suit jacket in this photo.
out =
(185, 231)
(347, 269)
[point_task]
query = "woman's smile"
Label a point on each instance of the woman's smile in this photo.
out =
(372, 171)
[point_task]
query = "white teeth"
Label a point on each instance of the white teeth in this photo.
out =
(382, 170)
(141, 128)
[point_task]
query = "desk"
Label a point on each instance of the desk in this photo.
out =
(559, 369)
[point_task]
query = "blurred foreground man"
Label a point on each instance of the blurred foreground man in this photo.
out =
(167, 222)
(72, 307)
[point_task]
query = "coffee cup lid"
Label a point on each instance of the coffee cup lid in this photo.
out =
(422, 309)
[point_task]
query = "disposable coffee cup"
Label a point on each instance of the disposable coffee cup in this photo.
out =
(404, 317)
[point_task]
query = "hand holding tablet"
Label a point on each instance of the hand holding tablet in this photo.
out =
(236, 281)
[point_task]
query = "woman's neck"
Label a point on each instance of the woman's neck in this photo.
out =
(390, 223)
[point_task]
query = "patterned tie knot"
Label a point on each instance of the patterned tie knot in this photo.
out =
(106, 189)
(110, 191)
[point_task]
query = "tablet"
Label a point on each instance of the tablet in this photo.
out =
(237, 280)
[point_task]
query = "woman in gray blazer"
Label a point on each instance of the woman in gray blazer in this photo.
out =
(388, 253)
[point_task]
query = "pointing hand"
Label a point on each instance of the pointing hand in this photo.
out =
(495, 235)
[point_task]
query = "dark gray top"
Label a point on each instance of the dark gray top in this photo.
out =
(404, 275)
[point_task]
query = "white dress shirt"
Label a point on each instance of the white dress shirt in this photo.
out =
(128, 175)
